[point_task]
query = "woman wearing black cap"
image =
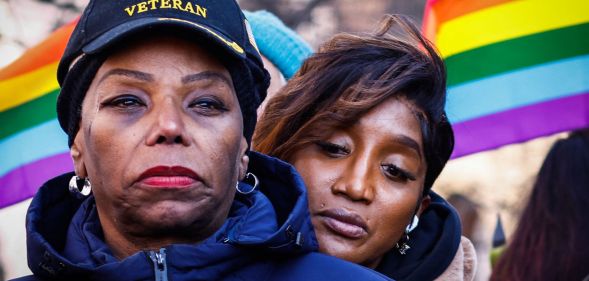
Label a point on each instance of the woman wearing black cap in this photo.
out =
(363, 122)
(159, 104)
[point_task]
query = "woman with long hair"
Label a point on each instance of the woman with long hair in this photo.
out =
(363, 122)
(551, 241)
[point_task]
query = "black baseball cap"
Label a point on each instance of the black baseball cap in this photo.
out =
(217, 24)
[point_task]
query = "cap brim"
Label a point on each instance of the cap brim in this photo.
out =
(131, 27)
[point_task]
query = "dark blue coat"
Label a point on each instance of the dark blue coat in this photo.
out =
(267, 236)
(433, 243)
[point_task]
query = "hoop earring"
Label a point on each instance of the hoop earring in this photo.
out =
(76, 190)
(402, 245)
(246, 192)
(413, 224)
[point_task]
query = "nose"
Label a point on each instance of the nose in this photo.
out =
(168, 126)
(355, 181)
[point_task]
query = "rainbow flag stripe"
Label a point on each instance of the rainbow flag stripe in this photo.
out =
(517, 70)
(33, 146)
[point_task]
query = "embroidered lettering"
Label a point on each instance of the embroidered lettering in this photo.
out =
(130, 10)
(165, 4)
(153, 4)
(178, 5)
(150, 5)
(189, 8)
(201, 11)
(141, 7)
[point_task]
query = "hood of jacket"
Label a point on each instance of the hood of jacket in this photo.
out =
(65, 240)
(433, 243)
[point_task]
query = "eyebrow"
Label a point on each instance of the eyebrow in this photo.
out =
(138, 75)
(408, 142)
(128, 73)
(205, 75)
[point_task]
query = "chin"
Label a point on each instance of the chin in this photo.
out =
(342, 248)
(336, 246)
(345, 253)
(171, 218)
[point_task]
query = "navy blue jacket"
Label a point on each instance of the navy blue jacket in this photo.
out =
(433, 243)
(267, 236)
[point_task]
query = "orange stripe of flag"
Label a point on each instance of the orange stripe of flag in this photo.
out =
(45, 53)
(428, 27)
(440, 11)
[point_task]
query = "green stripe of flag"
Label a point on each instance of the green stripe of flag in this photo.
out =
(28, 115)
(518, 53)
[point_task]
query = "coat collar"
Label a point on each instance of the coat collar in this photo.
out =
(64, 237)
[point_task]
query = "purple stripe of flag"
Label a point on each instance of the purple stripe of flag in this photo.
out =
(22, 183)
(521, 124)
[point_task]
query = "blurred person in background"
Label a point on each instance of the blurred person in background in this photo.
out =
(551, 241)
(468, 212)
(363, 122)
(283, 50)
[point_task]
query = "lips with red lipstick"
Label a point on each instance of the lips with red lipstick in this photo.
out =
(344, 223)
(169, 177)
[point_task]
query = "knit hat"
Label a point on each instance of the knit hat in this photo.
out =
(218, 25)
(278, 43)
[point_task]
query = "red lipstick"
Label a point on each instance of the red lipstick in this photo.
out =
(169, 177)
(344, 223)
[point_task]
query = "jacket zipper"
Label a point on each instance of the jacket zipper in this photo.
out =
(160, 267)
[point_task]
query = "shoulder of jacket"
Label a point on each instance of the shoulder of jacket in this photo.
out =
(464, 264)
(316, 266)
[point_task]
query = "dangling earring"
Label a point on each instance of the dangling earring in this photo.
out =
(413, 224)
(402, 245)
(75, 189)
(246, 192)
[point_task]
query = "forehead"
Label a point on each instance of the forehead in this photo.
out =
(394, 117)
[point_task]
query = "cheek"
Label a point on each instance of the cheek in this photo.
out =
(318, 176)
(105, 139)
(222, 144)
(393, 211)
(111, 142)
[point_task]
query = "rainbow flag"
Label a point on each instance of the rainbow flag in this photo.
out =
(517, 70)
(33, 147)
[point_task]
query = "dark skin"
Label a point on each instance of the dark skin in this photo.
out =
(160, 102)
(365, 182)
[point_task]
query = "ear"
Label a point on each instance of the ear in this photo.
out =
(244, 159)
(77, 151)
(425, 201)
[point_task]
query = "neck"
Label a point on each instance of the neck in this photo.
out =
(373, 263)
(124, 244)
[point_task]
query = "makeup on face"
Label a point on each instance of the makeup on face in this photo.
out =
(168, 177)
(161, 136)
(364, 181)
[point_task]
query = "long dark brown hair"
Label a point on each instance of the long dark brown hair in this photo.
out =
(551, 241)
(350, 75)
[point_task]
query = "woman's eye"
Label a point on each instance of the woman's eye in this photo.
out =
(332, 149)
(125, 102)
(208, 105)
(396, 173)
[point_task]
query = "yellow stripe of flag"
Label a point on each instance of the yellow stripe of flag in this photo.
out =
(27, 87)
(508, 21)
